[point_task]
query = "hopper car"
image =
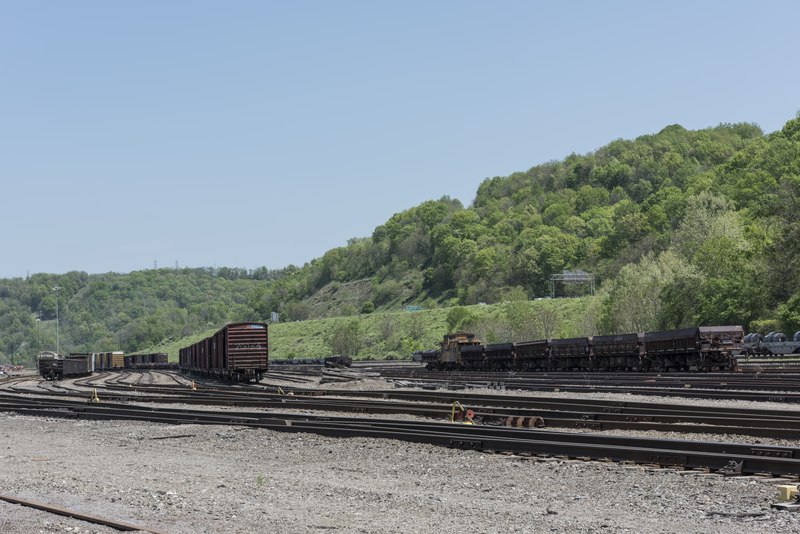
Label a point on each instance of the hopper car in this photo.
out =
(704, 348)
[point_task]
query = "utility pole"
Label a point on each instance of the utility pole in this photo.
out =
(58, 346)
(38, 333)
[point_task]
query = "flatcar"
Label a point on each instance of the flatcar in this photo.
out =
(699, 348)
(238, 352)
(771, 344)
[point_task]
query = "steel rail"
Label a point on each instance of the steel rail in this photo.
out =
(729, 458)
(97, 520)
(778, 429)
(679, 388)
(652, 380)
(574, 413)
(243, 396)
(686, 413)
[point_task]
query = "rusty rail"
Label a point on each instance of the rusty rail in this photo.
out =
(119, 525)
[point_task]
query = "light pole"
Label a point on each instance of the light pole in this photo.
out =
(38, 333)
(57, 289)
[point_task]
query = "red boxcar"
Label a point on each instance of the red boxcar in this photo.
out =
(238, 352)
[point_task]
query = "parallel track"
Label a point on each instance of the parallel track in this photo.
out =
(488, 409)
(727, 458)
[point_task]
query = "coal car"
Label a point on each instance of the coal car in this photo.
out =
(704, 348)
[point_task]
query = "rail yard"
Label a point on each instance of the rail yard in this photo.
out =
(394, 447)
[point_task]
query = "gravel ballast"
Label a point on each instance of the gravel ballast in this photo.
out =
(192, 478)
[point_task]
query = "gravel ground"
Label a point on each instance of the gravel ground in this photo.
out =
(226, 479)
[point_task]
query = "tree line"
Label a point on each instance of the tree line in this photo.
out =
(679, 227)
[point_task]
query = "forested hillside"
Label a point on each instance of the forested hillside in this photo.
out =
(681, 227)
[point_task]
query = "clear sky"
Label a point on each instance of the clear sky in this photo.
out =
(247, 134)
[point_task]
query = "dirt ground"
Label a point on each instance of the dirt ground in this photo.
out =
(191, 479)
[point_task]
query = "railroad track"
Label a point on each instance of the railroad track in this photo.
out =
(97, 520)
(725, 458)
(760, 381)
(754, 385)
(786, 391)
(508, 410)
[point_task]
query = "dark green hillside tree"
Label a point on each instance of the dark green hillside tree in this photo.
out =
(612, 174)
(629, 225)
(731, 292)
(726, 259)
(634, 300)
(16, 325)
(789, 314)
(346, 338)
(167, 322)
(762, 179)
(413, 224)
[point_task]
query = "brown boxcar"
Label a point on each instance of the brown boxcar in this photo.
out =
(237, 352)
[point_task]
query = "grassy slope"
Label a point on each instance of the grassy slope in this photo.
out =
(408, 331)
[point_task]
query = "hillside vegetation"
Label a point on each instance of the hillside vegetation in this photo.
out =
(397, 334)
(679, 228)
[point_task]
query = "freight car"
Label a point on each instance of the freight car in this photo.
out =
(772, 344)
(56, 367)
(107, 361)
(237, 352)
(700, 348)
(154, 360)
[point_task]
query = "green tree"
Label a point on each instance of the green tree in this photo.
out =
(346, 338)
(457, 317)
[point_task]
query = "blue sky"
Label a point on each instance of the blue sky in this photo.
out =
(247, 134)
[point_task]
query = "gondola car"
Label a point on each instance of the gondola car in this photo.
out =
(56, 367)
